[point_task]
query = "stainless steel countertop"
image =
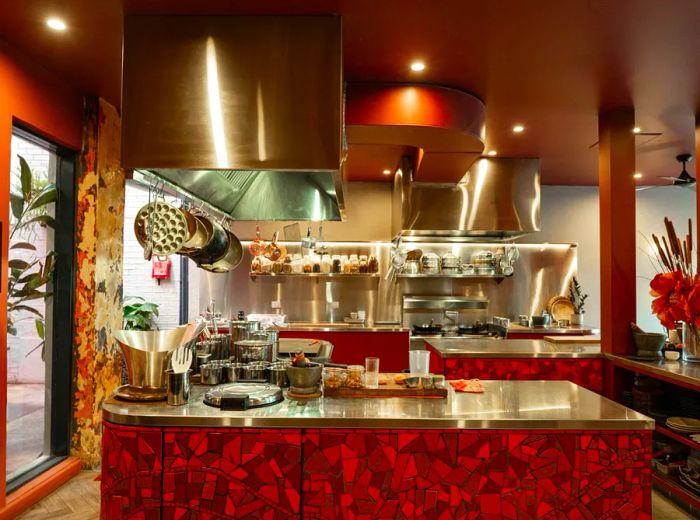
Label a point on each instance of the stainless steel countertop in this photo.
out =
(574, 330)
(503, 405)
(681, 371)
(341, 327)
(510, 348)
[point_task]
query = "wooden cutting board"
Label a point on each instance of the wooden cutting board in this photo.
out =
(391, 389)
(572, 339)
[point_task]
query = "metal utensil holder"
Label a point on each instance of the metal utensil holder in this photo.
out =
(178, 387)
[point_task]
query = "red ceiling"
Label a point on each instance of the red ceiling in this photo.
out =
(549, 67)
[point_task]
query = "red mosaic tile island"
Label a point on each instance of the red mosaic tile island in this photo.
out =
(586, 372)
(216, 473)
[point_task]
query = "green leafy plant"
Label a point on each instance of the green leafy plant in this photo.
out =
(28, 279)
(139, 314)
(577, 296)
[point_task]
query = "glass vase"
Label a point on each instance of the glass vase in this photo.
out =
(691, 343)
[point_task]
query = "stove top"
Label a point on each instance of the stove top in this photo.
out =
(476, 331)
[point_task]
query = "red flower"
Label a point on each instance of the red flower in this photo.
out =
(676, 298)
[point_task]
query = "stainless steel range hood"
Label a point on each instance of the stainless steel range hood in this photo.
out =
(498, 198)
(242, 112)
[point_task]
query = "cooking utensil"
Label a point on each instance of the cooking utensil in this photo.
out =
(320, 248)
(411, 267)
(272, 250)
(430, 263)
(414, 254)
(541, 321)
(257, 246)
(212, 373)
(248, 350)
(450, 262)
(215, 248)
(181, 360)
(161, 225)
(197, 233)
(309, 242)
(178, 387)
(233, 257)
(241, 396)
(560, 307)
(304, 380)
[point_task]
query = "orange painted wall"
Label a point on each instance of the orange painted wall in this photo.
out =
(35, 98)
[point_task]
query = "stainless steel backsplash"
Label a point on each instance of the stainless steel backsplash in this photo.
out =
(541, 272)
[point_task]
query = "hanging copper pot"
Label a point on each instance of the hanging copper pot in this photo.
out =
(257, 246)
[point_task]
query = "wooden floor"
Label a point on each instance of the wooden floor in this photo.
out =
(79, 499)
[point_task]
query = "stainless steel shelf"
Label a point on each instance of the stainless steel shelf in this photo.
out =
(455, 275)
(315, 275)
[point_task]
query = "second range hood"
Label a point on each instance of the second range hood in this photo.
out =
(498, 198)
(241, 112)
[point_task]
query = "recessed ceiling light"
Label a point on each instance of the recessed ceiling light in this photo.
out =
(636, 130)
(417, 66)
(518, 129)
(637, 175)
(387, 172)
(492, 153)
(56, 24)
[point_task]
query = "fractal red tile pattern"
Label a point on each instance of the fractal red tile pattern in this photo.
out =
(130, 486)
(231, 473)
(585, 372)
(372, 474)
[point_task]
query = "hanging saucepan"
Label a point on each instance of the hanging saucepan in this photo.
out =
(275, 251)
(198, 232)
(233, 257)
(215, 248)
(257, 246)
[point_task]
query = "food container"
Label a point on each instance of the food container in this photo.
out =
(430, 263)
(249, 350)
(233, 372)
(355, 376)
(334, 377)
(372, 264)
(439, 381)
(450, 262)
(427, 382)
(255, 371)
(468, 269)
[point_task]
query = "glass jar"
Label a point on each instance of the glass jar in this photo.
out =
(316, 266)
(354, 264)
(287, 264)
(334, 377)
(326, 264)
(346, 264)
(363, 264)
(276, 267)
(355, 376)
(372, 264)
(337, 265)
(255, 265)
(297, 264)
(307, 266)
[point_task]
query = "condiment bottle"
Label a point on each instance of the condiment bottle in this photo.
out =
(372, 264)
(363, 264)
(306, 265)
(354, 264)
(337, 265)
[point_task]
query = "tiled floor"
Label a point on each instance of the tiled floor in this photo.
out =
(79, 499)
(25, 424)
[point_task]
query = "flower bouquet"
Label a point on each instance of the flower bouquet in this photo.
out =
(676, 287)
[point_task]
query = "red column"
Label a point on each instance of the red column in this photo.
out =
(696, 239)
(617, 229)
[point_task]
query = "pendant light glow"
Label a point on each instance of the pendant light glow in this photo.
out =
(56, 24)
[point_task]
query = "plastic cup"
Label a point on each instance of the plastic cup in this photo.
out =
(419, 361)
(372, 372)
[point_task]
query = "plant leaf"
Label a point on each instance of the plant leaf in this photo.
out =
(44, 197)
(39, 324)
(23, 245)
(25, 178)
(17, 205)
(11, 330)
(26, 308)
(47, 220)
(16, 263)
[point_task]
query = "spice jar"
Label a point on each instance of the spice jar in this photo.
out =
(337, 266)
(276, 267)
(333, 377)
(355, 376)
(363, 264)
(372, 264)
(326, 264)
(306, 265)
(346, 264)
(297, 264)
(287, 264)
(316, 266)
(354, 264)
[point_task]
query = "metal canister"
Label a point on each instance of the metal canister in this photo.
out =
(250, 350)
(241, 329)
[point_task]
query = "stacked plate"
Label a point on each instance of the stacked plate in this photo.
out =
(684, 425)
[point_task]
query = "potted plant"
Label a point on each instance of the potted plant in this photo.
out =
(139, 314)
(676, 287)
(578, 300)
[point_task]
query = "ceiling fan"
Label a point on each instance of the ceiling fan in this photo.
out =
(683, 179)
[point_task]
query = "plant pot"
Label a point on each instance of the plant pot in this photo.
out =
(577, 319)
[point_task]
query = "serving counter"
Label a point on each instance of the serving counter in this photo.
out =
(520, 449)
(522, 359)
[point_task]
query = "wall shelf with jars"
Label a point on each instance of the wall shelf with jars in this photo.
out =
(317, 265)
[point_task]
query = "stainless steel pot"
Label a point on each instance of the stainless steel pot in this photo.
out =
(215, 248)
(277, 374)
(212, 373)
(255, 371)
(233, 257)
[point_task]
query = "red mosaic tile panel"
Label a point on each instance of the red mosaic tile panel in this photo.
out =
(585, 372)
(231, 473)
(371, 474)
(130, 486)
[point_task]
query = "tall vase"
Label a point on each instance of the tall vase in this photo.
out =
(691, 343)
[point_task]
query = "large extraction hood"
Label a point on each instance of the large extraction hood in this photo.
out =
(498, 198)
(243, 113)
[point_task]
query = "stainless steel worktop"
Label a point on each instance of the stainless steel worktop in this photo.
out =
(573, 330)
(342, 327)
(504, 404)
(511, 348)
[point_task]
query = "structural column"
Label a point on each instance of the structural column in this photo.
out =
(98, 281)
(617, 229)
(696, 158)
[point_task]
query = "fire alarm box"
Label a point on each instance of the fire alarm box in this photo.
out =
(161, 268)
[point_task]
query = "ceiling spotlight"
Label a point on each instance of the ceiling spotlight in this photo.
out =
(518, 129)
(387, 172)
(636, 130)
(637, 175)
(56, 24)
(417, 66)
(492, 153)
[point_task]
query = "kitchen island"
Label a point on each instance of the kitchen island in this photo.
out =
(521, 359)
(522, 449)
